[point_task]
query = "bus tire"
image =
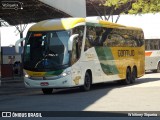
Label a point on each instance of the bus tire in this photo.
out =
(128, 77)
(158, 68)
(47, 90)
(87, 82)
(133, 75)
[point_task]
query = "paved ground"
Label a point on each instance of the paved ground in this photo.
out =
(142, 96)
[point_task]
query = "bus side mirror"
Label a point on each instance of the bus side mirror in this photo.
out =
(17, 44)
(70, 42)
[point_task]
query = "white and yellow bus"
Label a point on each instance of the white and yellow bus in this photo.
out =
(152, 55)
(71, 52)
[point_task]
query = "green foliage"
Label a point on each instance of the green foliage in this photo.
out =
(138, 6)
(115, 3)
(145, 6)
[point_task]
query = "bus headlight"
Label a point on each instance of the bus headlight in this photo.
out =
(25, 74)
(65, 73)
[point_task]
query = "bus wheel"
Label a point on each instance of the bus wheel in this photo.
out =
(134, 75)
(128, 77)
(158, 68)
(47, 90)
(87, 82)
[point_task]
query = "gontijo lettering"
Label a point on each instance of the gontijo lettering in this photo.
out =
(124, 53)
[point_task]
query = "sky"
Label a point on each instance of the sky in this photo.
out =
(150, 23)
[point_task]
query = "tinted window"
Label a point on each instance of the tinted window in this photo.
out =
(152, 44)
(110, 37)
(77, 43)
(46, 50)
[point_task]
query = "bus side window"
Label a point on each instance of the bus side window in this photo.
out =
(151, 46)
(90, 36)
(107, 42)
(114, 40)
(140, 38)
(156, 45)
(147, 45)
(77, 44)
(78, 48)
(74, 53)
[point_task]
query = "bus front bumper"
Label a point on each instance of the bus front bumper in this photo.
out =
(62, 82)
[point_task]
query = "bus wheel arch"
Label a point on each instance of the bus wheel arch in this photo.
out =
(87, 80)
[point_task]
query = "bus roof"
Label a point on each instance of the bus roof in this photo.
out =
(69, 23)
(56, 24)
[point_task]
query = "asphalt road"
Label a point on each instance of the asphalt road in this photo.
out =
(144, 95)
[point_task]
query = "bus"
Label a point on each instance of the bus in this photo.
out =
(152, 55)
(78, 52)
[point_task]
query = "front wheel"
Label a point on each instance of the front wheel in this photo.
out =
(87, 82)
(47, 90)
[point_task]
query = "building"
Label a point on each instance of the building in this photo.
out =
(8, 59)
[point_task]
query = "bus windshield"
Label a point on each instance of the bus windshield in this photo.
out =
(46, 50)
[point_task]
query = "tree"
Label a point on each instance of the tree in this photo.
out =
(117, 5)
(133, 6)
(145, 6)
